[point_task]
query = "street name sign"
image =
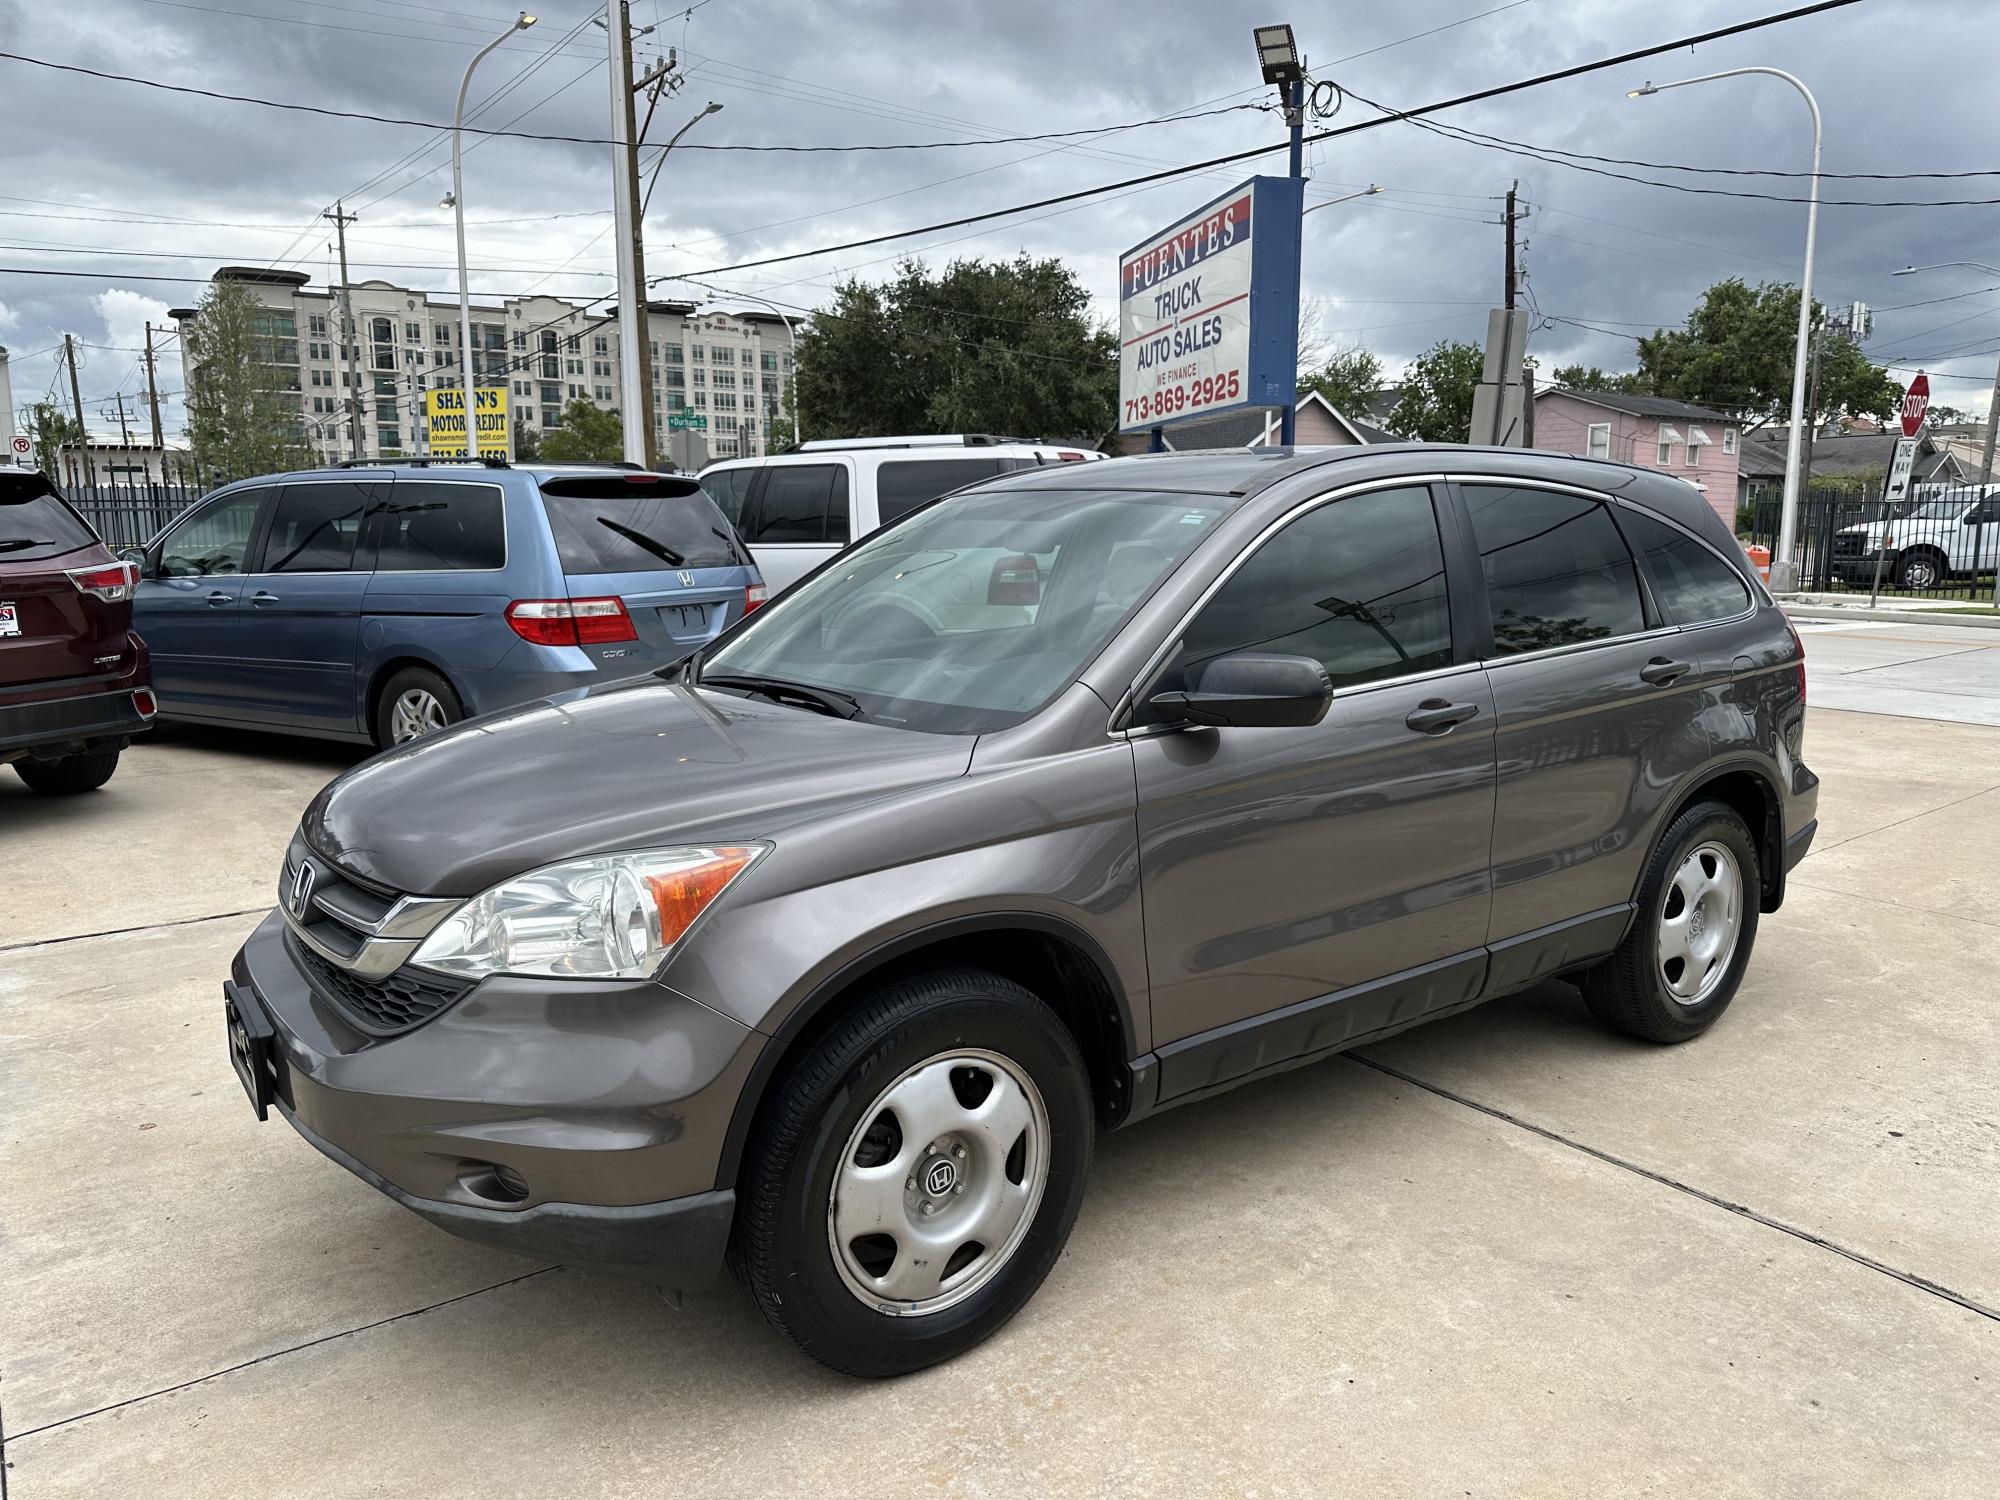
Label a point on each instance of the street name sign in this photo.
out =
(1206, 321)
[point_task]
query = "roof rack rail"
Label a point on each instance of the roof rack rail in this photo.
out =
(424, 461)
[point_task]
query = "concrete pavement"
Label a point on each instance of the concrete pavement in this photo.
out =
(1505, 1254)
(1926, 670)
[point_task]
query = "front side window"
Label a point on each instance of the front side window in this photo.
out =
(971, 616)
(1693, 584)
(1599, 440)
(802, 503)
(1557, 572)
(214, 540)
(315, 527)
(1358, 585)
(430, 527)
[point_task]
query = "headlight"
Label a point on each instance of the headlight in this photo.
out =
(613, 916)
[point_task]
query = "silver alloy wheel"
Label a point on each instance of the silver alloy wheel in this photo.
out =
(1701, 917)
(1920, 573)
(938, 1183)
(415, 713)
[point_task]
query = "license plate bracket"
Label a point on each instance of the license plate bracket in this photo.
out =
(250, 1038)
(685, 617)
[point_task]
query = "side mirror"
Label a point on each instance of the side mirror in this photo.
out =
(1253, 690)
(135, 555)
(1015, 580)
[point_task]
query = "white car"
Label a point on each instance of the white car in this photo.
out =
(1955, 535)
(796, 509)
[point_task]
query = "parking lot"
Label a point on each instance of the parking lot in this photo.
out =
(1508, 1253)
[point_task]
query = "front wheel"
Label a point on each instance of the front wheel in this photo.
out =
(1919, 571)
(917, 1175)
(70, 775)
(1679, 966)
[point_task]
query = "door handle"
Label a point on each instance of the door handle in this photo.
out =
(218, 597)
(1659, 671)
(1435, 716)
(261, 597)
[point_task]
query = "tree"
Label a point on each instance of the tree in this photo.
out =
(244, 411)
(1578, 378)
(781, 435)
(527, 442)
(1436, 401)
(986, 346)
(51, 429)
(1348, 381)
(1736, 354)
(587, 432)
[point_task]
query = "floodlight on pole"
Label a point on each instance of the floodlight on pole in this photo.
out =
(1278, 54)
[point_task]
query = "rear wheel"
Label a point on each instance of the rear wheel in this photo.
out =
(413, 703)
(1680, 965)
(70, 775)
(917, 1175)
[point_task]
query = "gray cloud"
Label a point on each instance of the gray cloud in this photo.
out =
(1398, 271)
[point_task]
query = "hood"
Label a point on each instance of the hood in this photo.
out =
(630, 766)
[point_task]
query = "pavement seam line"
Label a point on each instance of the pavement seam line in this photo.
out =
(325, 1338)
(1913, 661)
(3, 1450)
(78, 937)
(1945, 807)
(1908, 1278)
(1929, 911)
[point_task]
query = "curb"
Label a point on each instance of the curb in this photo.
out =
(1989, 620)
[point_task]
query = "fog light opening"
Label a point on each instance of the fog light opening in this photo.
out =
(493, 1182)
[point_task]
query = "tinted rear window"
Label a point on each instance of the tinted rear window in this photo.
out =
(802, 503)
(902, 486)
(429, 527)
(640, 525)
(1694, 584)
(36, 522)
(729, 488)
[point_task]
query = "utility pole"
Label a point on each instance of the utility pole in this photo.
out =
(350, 395)
(635, 369)
(1986, 461)
(124, 427)
(76, 406)
(1811, 416)
(153, 397)
(1513, 279)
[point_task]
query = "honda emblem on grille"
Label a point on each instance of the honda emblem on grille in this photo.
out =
(302, 889)
(686, 578)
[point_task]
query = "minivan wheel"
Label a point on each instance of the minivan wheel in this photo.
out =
(71, 774)
(916, 1175)
(1689, 945)
(413, 703)
(1919, 571)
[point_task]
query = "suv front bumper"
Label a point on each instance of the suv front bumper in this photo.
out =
(579, 1124)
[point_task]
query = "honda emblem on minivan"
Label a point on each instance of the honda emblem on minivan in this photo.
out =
(686, 578)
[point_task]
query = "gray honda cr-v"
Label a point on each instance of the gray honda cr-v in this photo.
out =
(1071, 796)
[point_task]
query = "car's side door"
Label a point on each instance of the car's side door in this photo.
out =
(301, 609)
(795, 519)
(1306, 886)
(187, 601)
(1599, 705)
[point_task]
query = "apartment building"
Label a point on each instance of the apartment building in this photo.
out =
(734, 368)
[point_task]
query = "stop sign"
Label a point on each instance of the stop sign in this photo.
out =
(1916, 401)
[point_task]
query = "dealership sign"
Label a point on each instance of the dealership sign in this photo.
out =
(1207, 310)
(445, 408)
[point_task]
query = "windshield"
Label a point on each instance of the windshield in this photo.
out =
(1934, 510)
(974, 613)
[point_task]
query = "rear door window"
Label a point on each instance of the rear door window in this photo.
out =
(316, 527)
(1692, 582)
(902, 485)
(36, 522)
(1557, 571)
(637, 524)
(215, 540)
(729, 488)
(802, 503)
(428, 527)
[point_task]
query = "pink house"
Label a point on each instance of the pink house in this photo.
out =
(1650, 432)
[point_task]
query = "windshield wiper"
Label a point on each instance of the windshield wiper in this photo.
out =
(802, 694)
(20, 544)
(665, 553)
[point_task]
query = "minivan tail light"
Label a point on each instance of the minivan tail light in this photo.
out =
(571, 622)
(113, 582)
(755, 596)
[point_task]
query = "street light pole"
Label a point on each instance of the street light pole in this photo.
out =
(1784, 569)
(521, 23)
(1993, 402)
(1367, 192)
(792, 333)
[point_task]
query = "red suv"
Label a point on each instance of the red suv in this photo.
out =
(75, 682)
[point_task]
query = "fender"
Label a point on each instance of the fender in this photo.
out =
(1770, 837)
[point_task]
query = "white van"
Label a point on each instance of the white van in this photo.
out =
(796, 509)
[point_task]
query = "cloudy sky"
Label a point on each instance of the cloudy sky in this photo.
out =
(130, 185)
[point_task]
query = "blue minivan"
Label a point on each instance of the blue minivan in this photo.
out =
(380, 602)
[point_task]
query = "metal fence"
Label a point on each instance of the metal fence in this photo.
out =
(1943, 542)
(131, 515)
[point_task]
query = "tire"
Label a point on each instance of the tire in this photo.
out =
(70, 775)
(1919, 571)
(1640, 990)
(915, 1051)
(428, 696)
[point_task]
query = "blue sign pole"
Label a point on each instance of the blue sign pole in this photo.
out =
(1295, 108)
